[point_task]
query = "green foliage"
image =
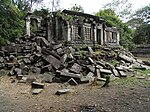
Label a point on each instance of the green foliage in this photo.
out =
(142, 26)
(77, 8)
(11, 21)
(142, 34)
(122, 8)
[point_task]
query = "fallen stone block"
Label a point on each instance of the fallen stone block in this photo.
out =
(41, 41)
(76, 68)
(36, 91)
(36, 70)
(98, 73)
(26, 60)
(53, 61)
(64, 58)
(25, 70)
(115, 72)
(46, 51)
(90, 49)
(1, 59)
(106, 71)
(90, 60)
(66, 73)
(57, 46)
(46, 68)
(122, 74)
(63, 91)
(47, 77)
(126, 58)
(72, 82)
(90, 74)
(91, 68)
(37, 85)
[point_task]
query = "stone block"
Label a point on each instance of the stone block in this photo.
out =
(53, 61)
(36, 91)
(90, 74)
(63, 91)
(76, 68)
(106, 71)
(72, 82)
(37, 85)
(66, 73)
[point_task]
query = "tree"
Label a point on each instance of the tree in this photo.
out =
(122, 8)
(11, 21)
(142, 27)
(26, 5)
(77, 8)
(142, 34)
(140, 17)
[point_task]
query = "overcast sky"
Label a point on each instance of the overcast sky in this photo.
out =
(91, 6)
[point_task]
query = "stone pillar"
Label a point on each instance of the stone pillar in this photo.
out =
(102, 39)
(27, 23)
(49, 29)
(118, 38)
(95, 34)
(69, 32)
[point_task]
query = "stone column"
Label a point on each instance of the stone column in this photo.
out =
(69, 32)
(27, 23)
(49, 30)
(118, 38)
(95, 35)
(102, 39)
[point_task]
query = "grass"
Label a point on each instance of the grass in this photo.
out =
(134, 81)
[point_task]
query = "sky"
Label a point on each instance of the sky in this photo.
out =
(91, 6)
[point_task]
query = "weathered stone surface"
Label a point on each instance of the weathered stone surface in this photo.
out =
(76, 68)
(17, 71)
(36, 91)
(41, 41)
(122, 74)
(47, 68)
(98, 73)
(1, 59)
(91, 68)
(25, 70)
(47, 77)
(90, 60)
(48, 52)
(72, 82)
(72, 50)
(37, 85)
(63, 91)
(115, 72)
(66, 73)
(106, 71)
(36, 70)
(101, 64)
(26, 60)
(53, 61)
(126, 58)
(2, 72)
(90, 74)
(60, 51)
(57, 46)
(63, 58)
(90, 49)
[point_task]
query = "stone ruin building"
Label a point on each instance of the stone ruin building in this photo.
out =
(74, 28)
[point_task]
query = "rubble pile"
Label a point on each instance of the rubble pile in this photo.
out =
(34, 60)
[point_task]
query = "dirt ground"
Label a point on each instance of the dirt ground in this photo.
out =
(122, 95)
